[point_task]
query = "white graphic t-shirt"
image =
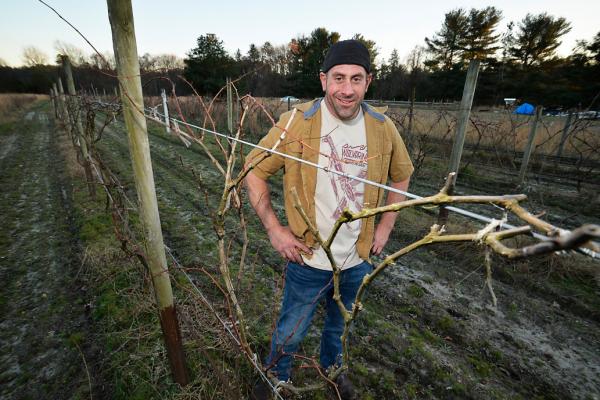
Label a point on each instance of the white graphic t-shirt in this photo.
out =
(343, 148)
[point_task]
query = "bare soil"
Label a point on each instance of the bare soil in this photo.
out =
(429, 329)
(44, 328)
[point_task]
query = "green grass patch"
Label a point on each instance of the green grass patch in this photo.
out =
(445, 324)
(481, 367)
(415, 291)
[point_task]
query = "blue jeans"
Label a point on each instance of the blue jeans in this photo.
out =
(304, 288)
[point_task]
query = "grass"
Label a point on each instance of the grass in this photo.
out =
(481, 367)
(38, 254)
(415, 291)
(125, 302)
(500, 130)
(12, 104)
(125, 311)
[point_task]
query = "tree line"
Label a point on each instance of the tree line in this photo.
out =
(520, 62)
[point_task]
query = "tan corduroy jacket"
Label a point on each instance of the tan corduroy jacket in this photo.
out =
(386, 152)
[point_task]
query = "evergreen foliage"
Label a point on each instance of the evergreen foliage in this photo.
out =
(519, 62)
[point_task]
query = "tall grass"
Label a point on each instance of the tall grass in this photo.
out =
(503, 130)
(256, 123)
(12, 103)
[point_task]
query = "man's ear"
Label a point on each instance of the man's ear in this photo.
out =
(369, 80)
(323, 78)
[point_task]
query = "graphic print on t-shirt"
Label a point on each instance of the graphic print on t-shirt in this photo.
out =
(348, 192)
(342, 149)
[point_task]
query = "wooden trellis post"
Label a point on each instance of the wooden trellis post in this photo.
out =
(229, 106)
(461, 130)
(63, 108)
(463, 115)
(54, 98)
(120, 15)
(529, 146)
(565, 135)
(78, 125)
(411, 113)
(165, 110)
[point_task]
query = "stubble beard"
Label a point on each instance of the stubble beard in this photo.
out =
(341, 112)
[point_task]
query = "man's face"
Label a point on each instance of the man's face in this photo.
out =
(345, 86)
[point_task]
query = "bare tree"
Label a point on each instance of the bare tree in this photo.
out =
(160, 62)
(105, 61)
(146, 62)
(415, 58)
(168, 62)
(75, 54)
(32, 56)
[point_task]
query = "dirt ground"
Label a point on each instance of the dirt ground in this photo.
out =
(535, 343)
(43, 323)
(428, 331)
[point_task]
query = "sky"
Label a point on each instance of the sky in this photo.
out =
(172, 27)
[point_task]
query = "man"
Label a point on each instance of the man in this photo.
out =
(342, 133)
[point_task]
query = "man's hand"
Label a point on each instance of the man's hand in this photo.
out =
(382, 234)
(283, 240)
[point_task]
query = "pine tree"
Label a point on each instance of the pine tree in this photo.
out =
(208, 64)
(447, 44)
(537, 38)
(480, 41)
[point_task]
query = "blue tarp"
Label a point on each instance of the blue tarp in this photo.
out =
(525, 109)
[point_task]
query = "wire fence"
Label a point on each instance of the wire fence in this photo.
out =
(419, 143)
(566, 147)
(253, 360)
(121, 205)
(111, 109)
(154, 115)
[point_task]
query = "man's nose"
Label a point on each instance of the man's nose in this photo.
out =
(346, 88)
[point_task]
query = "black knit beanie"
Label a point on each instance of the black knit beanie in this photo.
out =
(347, 52)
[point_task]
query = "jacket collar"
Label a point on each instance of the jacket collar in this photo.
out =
(310, 109)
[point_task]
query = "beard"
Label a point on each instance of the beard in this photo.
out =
(340, 110)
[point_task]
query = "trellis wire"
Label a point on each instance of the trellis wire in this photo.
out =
(457, 210)
(154, 114)
(227, 328)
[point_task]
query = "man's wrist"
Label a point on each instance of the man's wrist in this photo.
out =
(388, 220)
(272, 227)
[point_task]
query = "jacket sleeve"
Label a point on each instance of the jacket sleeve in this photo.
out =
(401, 167)
(273, 162)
